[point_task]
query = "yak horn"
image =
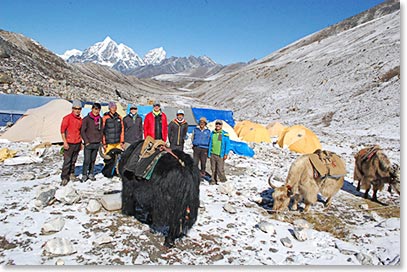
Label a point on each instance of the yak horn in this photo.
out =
(102, 154)
(271, 184)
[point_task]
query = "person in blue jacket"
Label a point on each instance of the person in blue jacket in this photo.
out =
(201, 136)
(219, 147)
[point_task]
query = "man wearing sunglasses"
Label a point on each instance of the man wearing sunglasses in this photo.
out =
(219, 147)
(71, 136)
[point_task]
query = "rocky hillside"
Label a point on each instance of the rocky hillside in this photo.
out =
(340, 79)
(26, 67)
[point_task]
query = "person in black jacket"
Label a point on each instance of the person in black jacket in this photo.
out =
(177, 131)
(133, 127)
(91, 133)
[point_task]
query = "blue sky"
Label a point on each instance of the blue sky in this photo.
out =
(227, 31)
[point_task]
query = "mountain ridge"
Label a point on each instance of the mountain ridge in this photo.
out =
(124, 59)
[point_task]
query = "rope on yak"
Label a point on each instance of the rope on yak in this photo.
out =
(163, 148)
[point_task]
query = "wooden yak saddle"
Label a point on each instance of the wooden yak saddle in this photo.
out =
(327, 164)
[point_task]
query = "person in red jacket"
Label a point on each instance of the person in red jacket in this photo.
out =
(155, 123)
(71, 136)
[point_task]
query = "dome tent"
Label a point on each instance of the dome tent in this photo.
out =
(299, 139)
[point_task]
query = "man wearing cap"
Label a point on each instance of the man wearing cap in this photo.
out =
(71, 136)
(155, 123)
(91, 133)
(133, 127)
(201, 136)
(177, 131)
(113, 129)
(219, 147)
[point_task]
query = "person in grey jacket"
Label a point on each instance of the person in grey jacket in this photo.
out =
(133, 127)
(177, 131)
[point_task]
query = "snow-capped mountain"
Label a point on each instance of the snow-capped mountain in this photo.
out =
(70, 53)
(122, 58)
(154, 56)
(109, 53)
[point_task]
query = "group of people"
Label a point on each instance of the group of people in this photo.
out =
(114, 131)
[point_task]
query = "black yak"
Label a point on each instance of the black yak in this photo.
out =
(162, 192)
(111, 160)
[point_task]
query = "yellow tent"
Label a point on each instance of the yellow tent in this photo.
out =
(275, 129)
(299, 139)
(242, 124)
(257, 134)
(252, 132)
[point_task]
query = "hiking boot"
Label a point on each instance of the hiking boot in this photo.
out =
(72, 177)
(64, 182)
(92, 177)
(84, 178)
(212, 182)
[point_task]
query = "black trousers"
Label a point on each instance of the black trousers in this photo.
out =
(200, 155)
(70, 157)
(90, 153)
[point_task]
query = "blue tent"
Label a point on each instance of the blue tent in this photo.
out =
(241, 148)
(212, 115)
(13, 106)
(142, 110)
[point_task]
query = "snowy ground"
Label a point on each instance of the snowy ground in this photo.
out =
(354, 231)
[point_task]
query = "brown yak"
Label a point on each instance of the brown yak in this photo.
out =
(373, 168)
(304, 182)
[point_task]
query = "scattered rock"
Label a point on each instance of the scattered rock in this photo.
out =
(374, 216)
(364, 207)
(27, 176)
(53, 225)
(112, 202)
(93, 206)
(103, 240)
(229, 208)
(44, 196)
(67, 195)
(4, 78)
(364, 259)
(286, 242)
(227, 189)
(346, 248)
(59, 246)
(266, 227)
(60, 262)
(302, 223)
(391, 223)
(300, 234)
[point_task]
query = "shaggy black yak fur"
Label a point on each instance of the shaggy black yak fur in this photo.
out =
(111, 161)
(169, 200)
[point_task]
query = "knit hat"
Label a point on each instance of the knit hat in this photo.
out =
(203, 119)
(156, 103)
(112, 104)
(76, 104)
(133, 106)
(180, 112)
